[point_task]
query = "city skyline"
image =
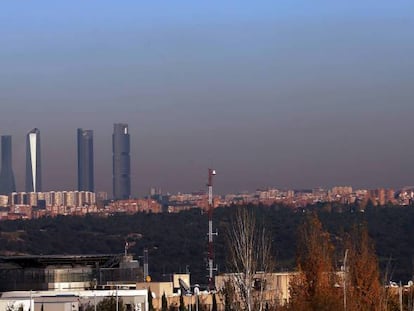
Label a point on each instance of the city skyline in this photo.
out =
(84, 145)
(292, 95)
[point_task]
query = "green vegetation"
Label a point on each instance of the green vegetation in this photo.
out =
(182, 305)
(175, 241)
(107, 304)
(150, 305)
(214, 305)
(164, 303)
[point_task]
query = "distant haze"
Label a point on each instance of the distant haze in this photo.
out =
(291, 94)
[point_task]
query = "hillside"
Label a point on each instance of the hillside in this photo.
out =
(177, 242)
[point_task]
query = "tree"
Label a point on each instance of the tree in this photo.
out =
(164, 303)
(107, 304)
(313, 288)
(150, 304)
(214, 303)
(362, 273)
(182, 305)
(229, 295)
(249, 248)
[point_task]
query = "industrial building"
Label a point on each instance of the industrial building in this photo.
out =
(67, 272)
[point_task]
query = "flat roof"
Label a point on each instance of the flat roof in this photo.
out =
(77, 293)
(42, 261)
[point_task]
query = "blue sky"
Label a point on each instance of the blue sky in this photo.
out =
(290, 94)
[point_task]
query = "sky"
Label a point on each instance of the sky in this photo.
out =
(287, 94)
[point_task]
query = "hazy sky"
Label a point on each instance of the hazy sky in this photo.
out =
(293, 94)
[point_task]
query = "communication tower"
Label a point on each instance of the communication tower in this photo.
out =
(210, 233)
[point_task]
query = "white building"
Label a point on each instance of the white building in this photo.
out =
(133, 300)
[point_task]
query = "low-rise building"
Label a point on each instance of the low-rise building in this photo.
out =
(55, 300)
(275, 285)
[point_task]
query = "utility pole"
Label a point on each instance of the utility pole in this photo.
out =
(31, 297)
(146, 272)
(117, 299)
(345, 258)
(210, 234)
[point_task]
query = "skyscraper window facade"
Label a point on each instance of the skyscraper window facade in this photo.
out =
(121, 173)
(7, 182)
(85, 160)
(33, 162)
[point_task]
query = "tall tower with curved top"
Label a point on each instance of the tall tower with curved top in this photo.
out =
(33, 166)
(7, 183)
(121, 175)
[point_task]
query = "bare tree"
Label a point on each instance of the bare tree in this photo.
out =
(249, 253)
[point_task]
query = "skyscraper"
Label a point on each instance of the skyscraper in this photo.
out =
(121, 174)
(85, 160)
(7, 183)
(33, 167)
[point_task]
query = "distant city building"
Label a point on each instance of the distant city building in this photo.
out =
(155, 192)
(4, 200)
(7, 182)
(54, 198)
(102, 196)
(121, 177)
(33, 166)
(341, 191)
(32, 198)
(85, 160)
(135, 206)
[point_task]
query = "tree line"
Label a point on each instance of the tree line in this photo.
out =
(178, 242)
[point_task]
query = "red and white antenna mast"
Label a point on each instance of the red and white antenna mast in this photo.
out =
(210, 234)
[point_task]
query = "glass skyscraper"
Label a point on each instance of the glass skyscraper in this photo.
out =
(7, 182)
(33, 166)
(85, 160)
(121, 173)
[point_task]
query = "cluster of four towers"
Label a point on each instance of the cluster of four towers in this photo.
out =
(121, 173)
